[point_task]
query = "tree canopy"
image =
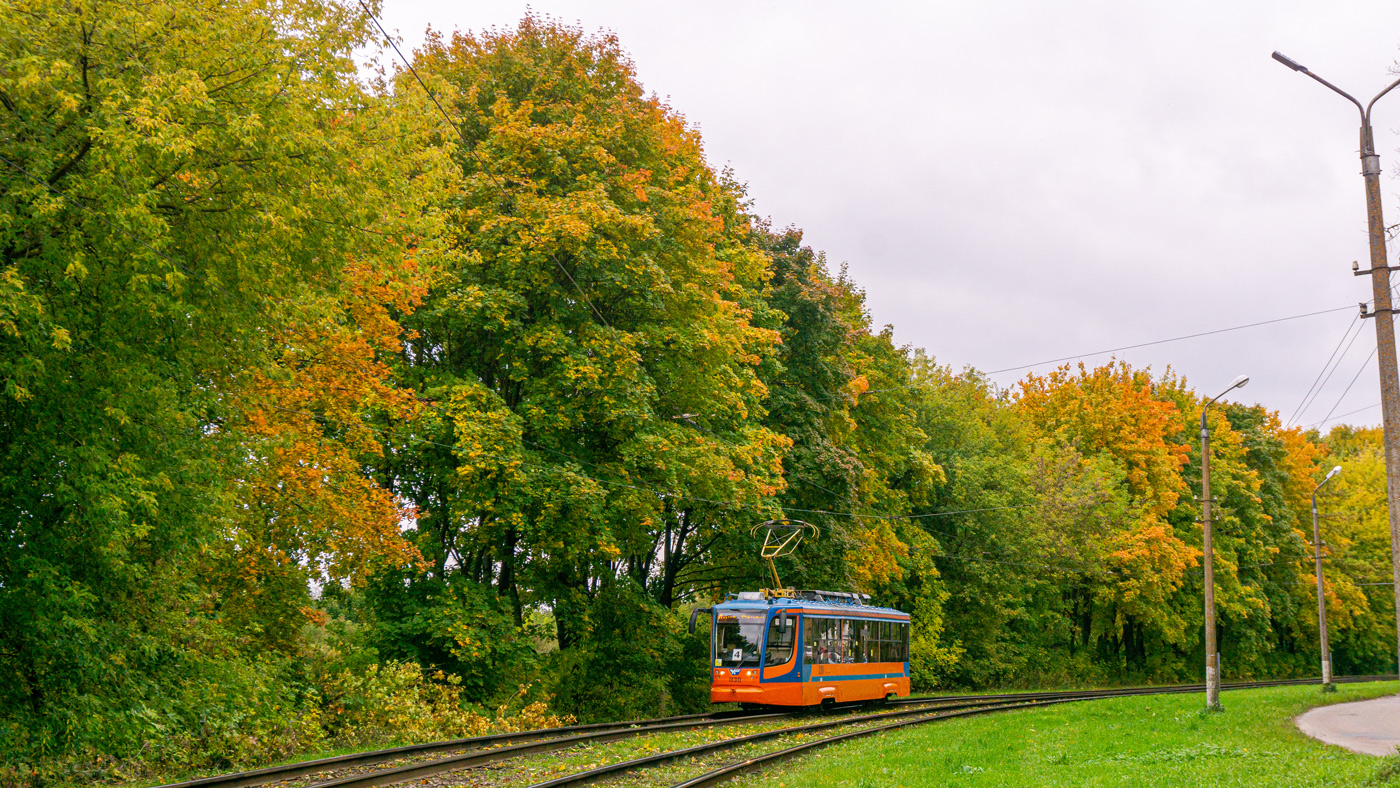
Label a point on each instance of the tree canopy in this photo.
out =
(332, 408)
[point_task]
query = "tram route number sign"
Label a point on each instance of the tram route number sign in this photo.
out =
(737, 655)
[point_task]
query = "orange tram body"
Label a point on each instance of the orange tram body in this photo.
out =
(806, 648)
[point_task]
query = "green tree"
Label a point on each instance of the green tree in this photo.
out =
(590, 359)
(183, 189)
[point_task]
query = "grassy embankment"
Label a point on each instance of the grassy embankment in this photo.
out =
(1144, 742)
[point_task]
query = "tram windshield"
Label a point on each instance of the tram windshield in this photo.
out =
(738, 638)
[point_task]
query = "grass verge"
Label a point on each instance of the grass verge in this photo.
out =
(1145, 742)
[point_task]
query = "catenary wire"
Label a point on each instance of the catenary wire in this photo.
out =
(740, 505)
(470, 151)
(1138, 345)
(1364, 365)
(1298, 411)
(734, 504)
(1309, 403)
(582, 294)
(1344, 415)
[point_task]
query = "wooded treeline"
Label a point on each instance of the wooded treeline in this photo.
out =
(326, 421)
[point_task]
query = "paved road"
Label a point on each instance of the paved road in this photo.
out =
(1368, 726)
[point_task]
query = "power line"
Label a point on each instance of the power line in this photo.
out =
(1344, 415)
(471, 151)
(1298, 411)
(1354, 378)
(664, 493)
(1332, 371)
(1172, 339)
(1138, 345)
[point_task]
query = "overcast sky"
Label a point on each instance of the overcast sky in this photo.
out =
(1013, 182)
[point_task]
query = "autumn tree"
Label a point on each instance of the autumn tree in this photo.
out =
(196, 250)
(590, 362)
(1356, 538)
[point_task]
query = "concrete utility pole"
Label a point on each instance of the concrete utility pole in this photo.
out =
(1212, 650)
(1327, 685)
(1385, 325)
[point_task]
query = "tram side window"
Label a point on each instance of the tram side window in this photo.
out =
(882, 652)
(899, 642)
(814, 640)
(780, 640)
(830, 650)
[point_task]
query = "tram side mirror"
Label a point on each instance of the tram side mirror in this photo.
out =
(782, 620)
(696, 612)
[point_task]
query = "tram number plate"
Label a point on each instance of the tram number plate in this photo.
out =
(734, 679)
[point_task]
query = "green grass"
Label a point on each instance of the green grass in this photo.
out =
(1141, 742)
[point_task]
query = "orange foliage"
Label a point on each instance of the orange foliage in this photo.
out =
(1113, 409)
(309, 507)
(1300, 465)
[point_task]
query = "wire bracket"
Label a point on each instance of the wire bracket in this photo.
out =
(1368, 312)
(1360, 272)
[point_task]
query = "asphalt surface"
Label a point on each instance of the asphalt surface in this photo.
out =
(1368, 726)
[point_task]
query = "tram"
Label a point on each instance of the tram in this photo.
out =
(784, 647)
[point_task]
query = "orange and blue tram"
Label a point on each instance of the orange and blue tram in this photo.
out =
(805, 648)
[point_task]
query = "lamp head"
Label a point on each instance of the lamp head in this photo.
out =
(1336, 469)
(1240, 382)
(1284, 59)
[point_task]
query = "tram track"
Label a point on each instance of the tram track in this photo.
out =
(759, 762)
(277, 774)
(466, 754)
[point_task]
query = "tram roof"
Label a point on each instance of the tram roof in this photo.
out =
(834, 602)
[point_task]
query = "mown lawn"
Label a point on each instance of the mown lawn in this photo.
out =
(1141, 742)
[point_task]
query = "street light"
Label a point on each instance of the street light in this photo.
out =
(1327, 685)
(1212, 654)
(1385, 329)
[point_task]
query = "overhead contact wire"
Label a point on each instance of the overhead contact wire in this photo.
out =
(1298, 411)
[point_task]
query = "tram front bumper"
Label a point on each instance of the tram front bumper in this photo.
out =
(735, 694)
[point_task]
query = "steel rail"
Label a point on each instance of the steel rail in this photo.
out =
(417, 771)
(288, 771)
(753, 764)
(466, 761)
(651, 760)
(563, 736)
(731, 771)
(300, 768)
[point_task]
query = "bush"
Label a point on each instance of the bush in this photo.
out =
(241, 714)
(637, 661)
(453, 625)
